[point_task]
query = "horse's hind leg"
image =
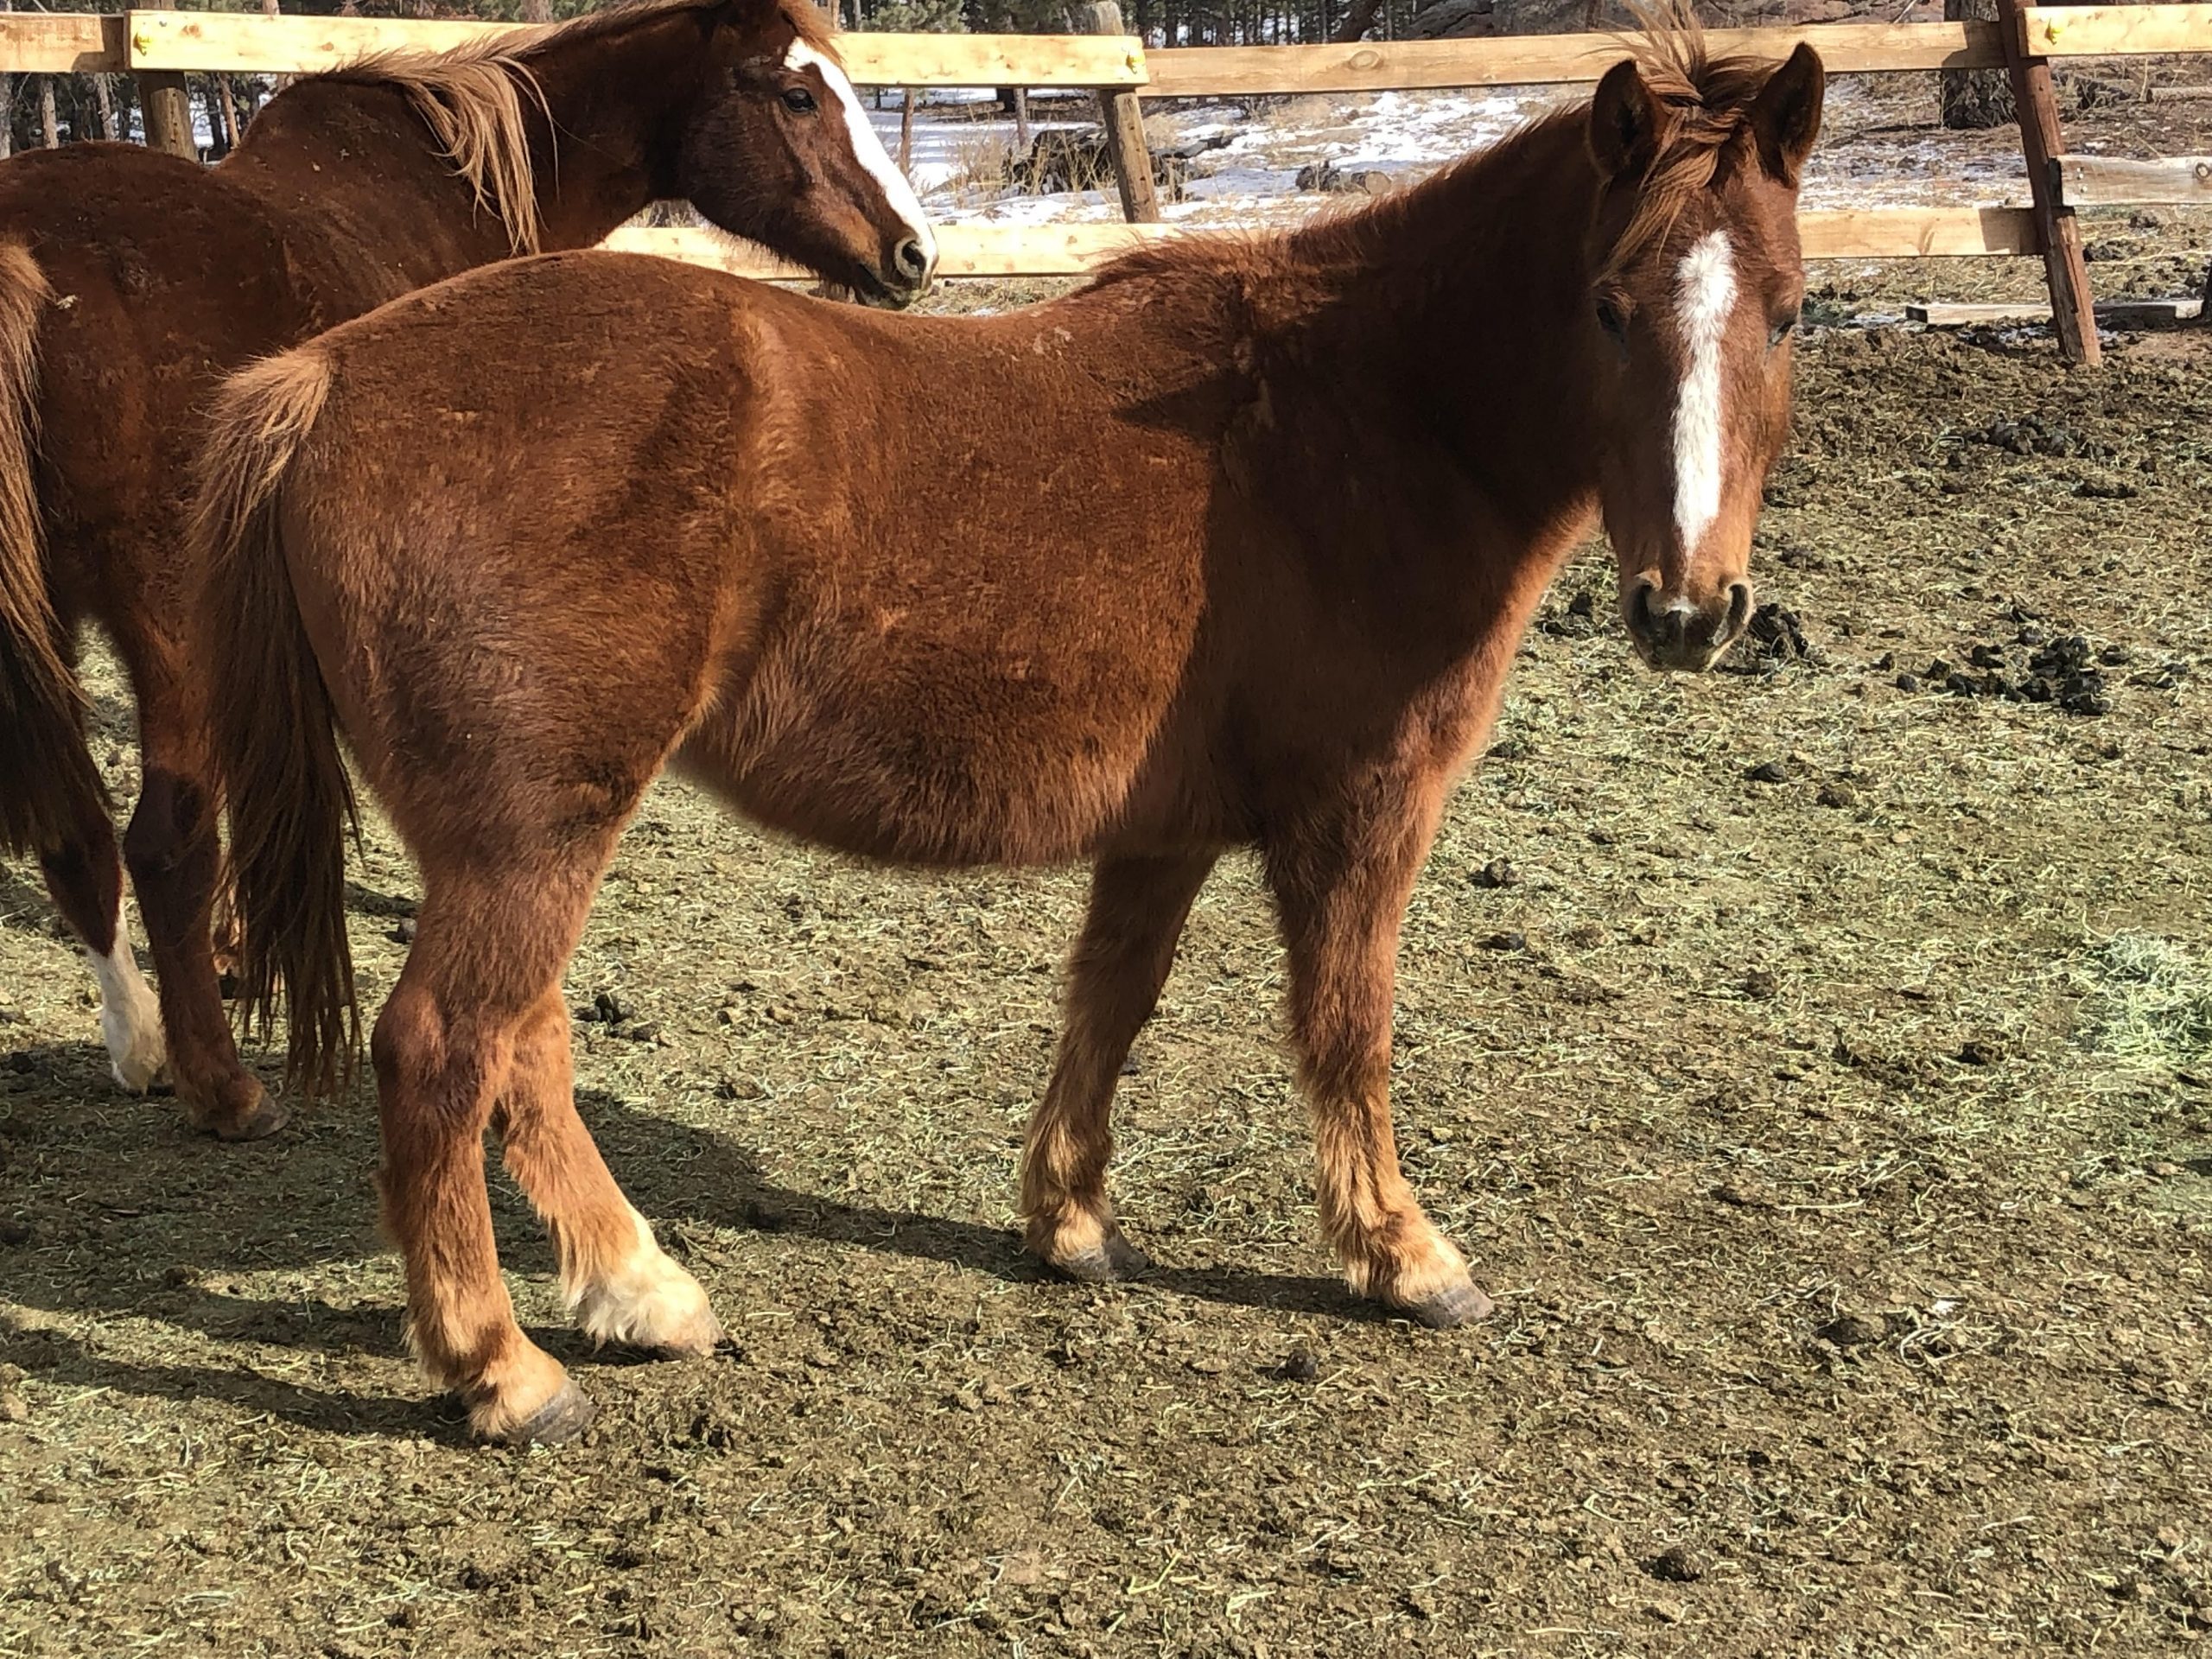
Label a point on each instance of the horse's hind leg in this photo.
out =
(467, 1031)
(172, 850)
(84, 875)
(620, 1285)
(1342, 889)
(1137, 909)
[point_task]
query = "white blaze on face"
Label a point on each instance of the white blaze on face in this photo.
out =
(866, 146)
(1705, 298)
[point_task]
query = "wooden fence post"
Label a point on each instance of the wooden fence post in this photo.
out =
(168, 113)
(2072, 310)
(1123, 119)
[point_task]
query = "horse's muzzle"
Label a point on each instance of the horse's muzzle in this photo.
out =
(905, 275)
(1675, 633)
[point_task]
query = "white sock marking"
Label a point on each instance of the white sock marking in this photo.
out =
(646, 1301)
(869, 147)
(1705, 289)
(130, 1018)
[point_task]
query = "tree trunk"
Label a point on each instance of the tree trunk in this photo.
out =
(230, 127)
(48, 120)
(1976, 99)
(906, 132)
(7, 102)
(538, 11)
(1359, 17)
(219, 143)
(105, 101)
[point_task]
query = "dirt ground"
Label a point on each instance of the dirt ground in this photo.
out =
(1818, 1071)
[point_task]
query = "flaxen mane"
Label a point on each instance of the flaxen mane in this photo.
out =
(473, 97)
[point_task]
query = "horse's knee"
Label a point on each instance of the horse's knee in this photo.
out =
(409, 1047)
(169, 832)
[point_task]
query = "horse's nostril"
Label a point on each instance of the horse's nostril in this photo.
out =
(912, 262)
(1640, 618)
(1739, 608)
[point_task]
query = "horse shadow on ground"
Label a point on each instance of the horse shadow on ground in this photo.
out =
(152, 1219)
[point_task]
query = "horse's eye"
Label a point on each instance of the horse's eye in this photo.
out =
(1614, 321)
(799, 101)
(1784, 328)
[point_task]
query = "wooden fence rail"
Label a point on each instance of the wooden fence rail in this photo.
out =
(199, 41)
(1071, 250)
(161, 47)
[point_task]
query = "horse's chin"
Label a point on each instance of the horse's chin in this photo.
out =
(871, 291)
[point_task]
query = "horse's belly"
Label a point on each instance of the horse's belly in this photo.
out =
(940, 752)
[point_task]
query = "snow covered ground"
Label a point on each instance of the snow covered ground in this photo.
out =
(1865, 162)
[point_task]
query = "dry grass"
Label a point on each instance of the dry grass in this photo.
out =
(2148, 1000)
(983, 169)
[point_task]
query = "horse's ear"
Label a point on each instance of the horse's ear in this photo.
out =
(1786, 115)
(1627, 124)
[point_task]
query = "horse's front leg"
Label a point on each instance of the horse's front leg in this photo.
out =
(1137, 910)
(1341, 884)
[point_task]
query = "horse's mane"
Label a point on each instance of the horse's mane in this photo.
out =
(473, 97)
(1709, 98)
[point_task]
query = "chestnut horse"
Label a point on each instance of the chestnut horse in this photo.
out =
(1231, 548)
(128, 279)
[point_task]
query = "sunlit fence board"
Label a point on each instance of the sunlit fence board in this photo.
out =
(982, 251)
(32, 43)
(2115, 31)
(1538, 59)
(201, 40)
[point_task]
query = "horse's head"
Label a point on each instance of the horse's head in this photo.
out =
(778, 150)
(1696, 295)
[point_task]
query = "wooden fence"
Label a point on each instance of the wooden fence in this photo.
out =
(160, 47)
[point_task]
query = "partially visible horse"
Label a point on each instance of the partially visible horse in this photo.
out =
(129, 280)
(1232, 548)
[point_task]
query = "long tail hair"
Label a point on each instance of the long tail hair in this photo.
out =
(275, 746)
(48, 780)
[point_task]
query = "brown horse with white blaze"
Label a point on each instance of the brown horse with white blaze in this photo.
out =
(129, 280)
(1231, 548)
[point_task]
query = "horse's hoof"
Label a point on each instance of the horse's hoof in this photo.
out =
(250, 1114)
(1454, 1304)
(262, 1120)
(703, 1337)
(1107, 1263)
(143, 1065)
(556, 1422)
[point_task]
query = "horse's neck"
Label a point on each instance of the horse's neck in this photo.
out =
(357, 161)
(1495, 333)
(1478, 305)
(616, 98)
(1419, 434)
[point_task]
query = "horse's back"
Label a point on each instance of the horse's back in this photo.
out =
(163, 275)
(995, 577)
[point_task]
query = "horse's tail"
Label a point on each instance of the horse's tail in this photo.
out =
(48, 780)
(275, 746)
